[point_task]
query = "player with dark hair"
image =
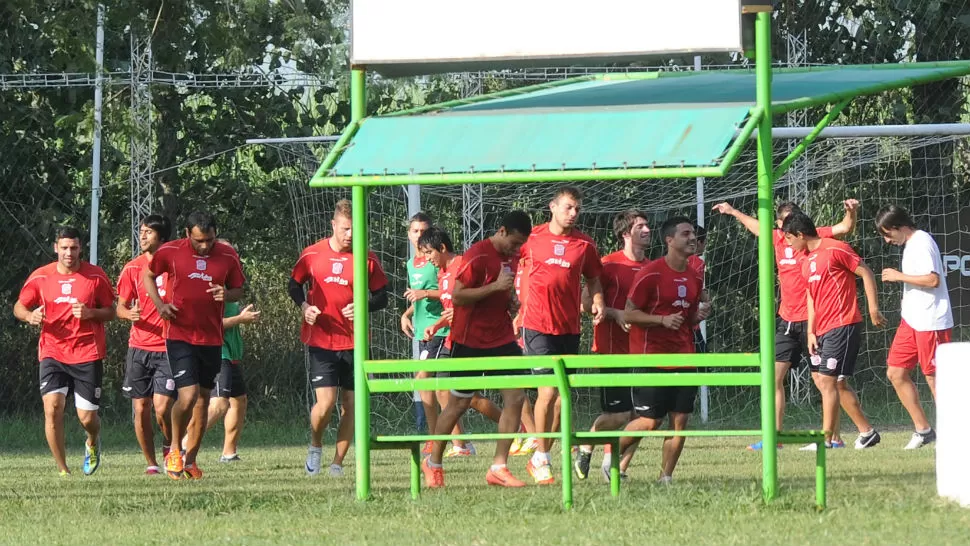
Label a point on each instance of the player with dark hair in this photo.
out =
(555, 260)
(791, 335)
(482, 327)
(927, 318)
(611, 336)
(662, 308)
(834, 323)
(70, 300)
(148, 376)
(203, 274)
(328, 329)
(436, 246)
(424, 310)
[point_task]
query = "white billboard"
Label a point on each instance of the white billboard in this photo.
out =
(421, 36)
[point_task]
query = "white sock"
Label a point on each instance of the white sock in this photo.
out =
(607, 458)
(315, 449)
(433, 465)
(497, 467)
(539, 458)
(927, 431)
(585, 449)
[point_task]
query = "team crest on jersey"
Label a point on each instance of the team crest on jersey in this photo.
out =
(337, 268)
(811, 267)
(66, 289)
(559, 249)
(789, 252)
(681, 291)
(200, 265)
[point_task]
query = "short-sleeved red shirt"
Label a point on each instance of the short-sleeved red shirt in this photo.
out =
(446, 284)
(554, 265)
(148, 334)
(63, 337)
(829, 272)
(793, 306)
(617, 279)
(659, 290)
(486, 323)
(331, 277)
(198, 320)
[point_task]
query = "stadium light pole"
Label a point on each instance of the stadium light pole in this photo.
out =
(358, 109)
(766, 262)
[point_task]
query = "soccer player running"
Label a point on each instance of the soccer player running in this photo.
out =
(554, 261)
(791, 339)
(230, 398)
(70, 300)
(927, 318)
(424, 310)
(148, 376)
(834, 323)
(482, 328)
(203, 274)
(436, 246)
(662, 308)
(611, 336)
(328, 330)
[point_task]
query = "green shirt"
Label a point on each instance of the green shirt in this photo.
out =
(423, 275)
(232, 345)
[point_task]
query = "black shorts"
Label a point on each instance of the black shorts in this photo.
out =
(616, 399)
(700, 344)
(837, 351)
(230, 382)
(194, 364)
(657, 402)
(463, 351)
(83, 379)
(791, 341)
(147, 373)
(539, 344)
(331, 368)
(429, 350)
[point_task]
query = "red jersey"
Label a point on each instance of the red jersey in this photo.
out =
(446, 283)
(63, 337)
(331, 277)
(793, 306)
(617, 279)
(148, 334)
(198, 320)
(829, 272)
(553, 265)
(659, 290)
(486, 323)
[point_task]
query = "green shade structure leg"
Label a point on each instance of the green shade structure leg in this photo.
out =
(820, 477)
(416, 470)
(566, 422)
(615, 457)
(358, 108)
(766, 261)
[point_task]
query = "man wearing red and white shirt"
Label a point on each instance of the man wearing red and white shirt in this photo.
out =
(481, 327)
(202, 274)
(148, 375)
(70, 300)
(834, 323)
(791, 336)
(611, 335)
(554, 261)
(927, 318)
(328, 329)
(666, 301)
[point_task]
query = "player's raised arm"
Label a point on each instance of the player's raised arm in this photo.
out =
(749, 223)
(847, 225)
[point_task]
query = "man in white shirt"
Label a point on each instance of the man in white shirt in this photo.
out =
(927, 320)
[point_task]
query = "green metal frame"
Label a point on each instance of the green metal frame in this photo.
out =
(761, 119)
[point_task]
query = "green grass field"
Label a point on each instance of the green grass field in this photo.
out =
(879, 496)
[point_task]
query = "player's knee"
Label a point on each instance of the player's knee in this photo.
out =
(87, 418)
(897, 375)
(514, 398)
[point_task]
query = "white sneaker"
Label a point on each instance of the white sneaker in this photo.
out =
(313, 460)
(336, 471)
(865, 442)
(809, 447)
(919, 440)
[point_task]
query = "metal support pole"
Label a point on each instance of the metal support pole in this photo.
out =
(705, 392)
(414, 207)
(358, 108)
(766, 262)
(96, 160)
